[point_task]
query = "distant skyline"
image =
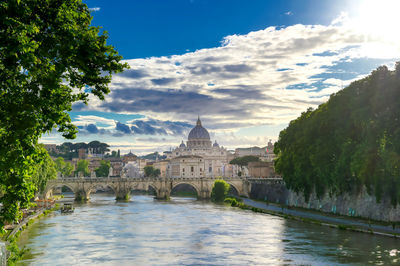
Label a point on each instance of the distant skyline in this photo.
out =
(246, 67)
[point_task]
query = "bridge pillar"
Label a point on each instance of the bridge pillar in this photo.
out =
(123, 194)
(122, 191)
(81, 195)
(246, 188)
(163, 190)
(205, 189)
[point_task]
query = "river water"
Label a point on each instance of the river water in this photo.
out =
(145, 231)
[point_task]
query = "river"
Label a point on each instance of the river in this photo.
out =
(145, 231)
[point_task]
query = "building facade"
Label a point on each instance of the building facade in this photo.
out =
(199, 157)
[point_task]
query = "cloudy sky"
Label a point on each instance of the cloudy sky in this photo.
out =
(247, 68)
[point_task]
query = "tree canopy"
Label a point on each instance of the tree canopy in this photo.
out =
(65, 168)
(244, 161)
(82, 167)
(350, 141)
(44, 171)
(103, 169)
(69, 150)
(50, 58)
(150, 171)
(219, 190)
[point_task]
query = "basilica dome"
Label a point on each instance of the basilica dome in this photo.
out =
(199, 132)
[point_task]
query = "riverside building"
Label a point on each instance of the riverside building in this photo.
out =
(199, 157)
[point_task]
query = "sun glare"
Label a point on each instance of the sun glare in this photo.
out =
(379, 19)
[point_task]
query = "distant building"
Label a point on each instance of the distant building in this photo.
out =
(116, 164)
(265, 153)
(130, 157)
(131, 170)
(230, 170)
(199, 157)
(261, 169)
(94, 163)
(162, 166)
(82, 154)
(187, 166)
(168, 154)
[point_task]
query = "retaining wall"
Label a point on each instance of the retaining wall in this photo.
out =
(357, 203)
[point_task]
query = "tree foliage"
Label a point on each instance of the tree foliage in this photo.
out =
(50, 57)
(350, 141)
(243, 161)
(150, 171)
(44, 171)
(69, 150)
(103, 169)
(65, 168)
(82, 167)
(219, 190)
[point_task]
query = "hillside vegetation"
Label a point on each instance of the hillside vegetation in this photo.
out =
(349, 141)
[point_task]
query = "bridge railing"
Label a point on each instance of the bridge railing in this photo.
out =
(138, 179)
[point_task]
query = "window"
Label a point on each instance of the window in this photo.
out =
(210, 169)
(192, 169)
(183, 169)
(201, 170)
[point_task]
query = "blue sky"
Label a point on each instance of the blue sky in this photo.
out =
(246, 67)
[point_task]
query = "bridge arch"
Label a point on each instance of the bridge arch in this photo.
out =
(151, 187)
(175, 185)
(95, 187)
(234, 189)
(50, 189)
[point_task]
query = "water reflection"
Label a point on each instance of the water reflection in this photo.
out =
(185, 231)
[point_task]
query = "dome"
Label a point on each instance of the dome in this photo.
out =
(215, 144)
(182, 145)
(199, 132)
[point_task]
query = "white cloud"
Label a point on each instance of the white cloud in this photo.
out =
(265, 77)
(94, 9)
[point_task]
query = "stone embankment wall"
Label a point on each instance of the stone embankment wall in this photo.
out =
(271, 192)
(357, 203)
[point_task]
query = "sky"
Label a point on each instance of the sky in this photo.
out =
(247, 68)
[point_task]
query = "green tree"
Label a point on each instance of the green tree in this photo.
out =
(60, 164)
(82, 167)
(103, 169)
(50, 57)
(68, 169)
(44, 171)
(353, 140)
(65, 168)
(219, 190)
(150, 171)
(244, 161)
(156, 172)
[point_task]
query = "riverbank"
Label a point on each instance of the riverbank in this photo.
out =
(339, 222)
(13, 253)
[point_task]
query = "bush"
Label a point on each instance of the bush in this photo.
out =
(234, 202)
(219, 190)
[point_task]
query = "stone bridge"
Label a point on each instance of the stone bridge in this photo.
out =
(83, 187)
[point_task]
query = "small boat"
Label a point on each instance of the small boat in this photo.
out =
(67, 208)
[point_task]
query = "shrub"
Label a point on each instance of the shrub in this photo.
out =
(219, 190)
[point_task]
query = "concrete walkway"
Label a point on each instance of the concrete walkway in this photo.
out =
(337, 220)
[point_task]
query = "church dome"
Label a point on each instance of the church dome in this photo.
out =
(215, 144)
(182, 145)
(199, 132)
